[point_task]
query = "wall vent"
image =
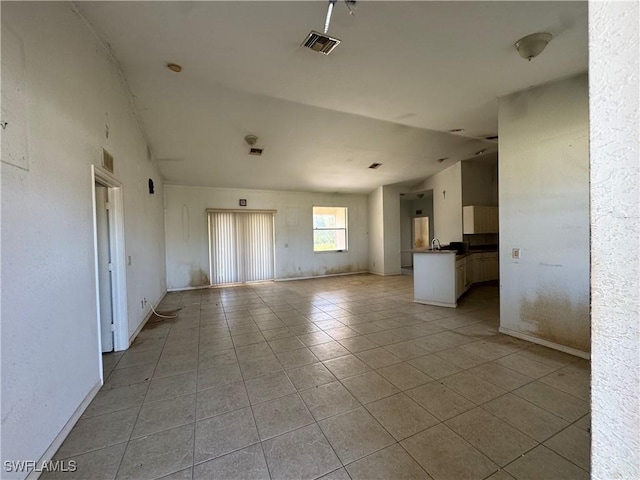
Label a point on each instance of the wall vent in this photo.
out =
(256, 151)
(107, 161)
(373, 166)
(320, 42)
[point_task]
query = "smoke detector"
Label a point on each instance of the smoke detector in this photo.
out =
(251, 141)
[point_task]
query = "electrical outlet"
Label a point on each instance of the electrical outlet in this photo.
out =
(515, 253)
(142, 304)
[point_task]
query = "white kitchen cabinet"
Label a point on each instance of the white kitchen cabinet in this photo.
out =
(479, 219)
(486, 267)
(440, 277)
(460, 277)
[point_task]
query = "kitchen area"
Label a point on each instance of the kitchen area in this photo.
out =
(450, 231)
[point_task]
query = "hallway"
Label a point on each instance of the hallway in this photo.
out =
(339, 378)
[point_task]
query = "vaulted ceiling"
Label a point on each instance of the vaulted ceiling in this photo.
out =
(404, 75)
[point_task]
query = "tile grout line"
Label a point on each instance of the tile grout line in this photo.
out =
(142, 404)
(413, 321)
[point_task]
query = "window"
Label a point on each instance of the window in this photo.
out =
(329, 229)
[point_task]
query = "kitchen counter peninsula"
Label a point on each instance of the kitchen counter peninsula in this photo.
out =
(434, 277)
(440, 277)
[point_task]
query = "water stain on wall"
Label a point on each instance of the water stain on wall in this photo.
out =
(198, 278)
(553, 317)
(339, 270)
(343, 269)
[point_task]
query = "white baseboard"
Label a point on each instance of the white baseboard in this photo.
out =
(545, 343)
(289, 279)
(146, 319)
(55, 445)
(184, 289)
(384, 274)
(437, 304)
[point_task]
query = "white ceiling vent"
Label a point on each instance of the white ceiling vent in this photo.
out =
(320, 42)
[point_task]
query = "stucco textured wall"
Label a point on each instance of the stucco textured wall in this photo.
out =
(615, 238)
(60, 90)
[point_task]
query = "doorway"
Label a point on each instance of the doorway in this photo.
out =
(421, 232)
(105, 266)
(109, 262)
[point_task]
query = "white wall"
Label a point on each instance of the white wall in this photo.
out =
(447, 203)
(375, 204)
(615, 239)
(68, 91)
(408, 209)
(391, 208)
(544, 211)
(406, 236)
(480, 181)
(384, 230)
(187, 237)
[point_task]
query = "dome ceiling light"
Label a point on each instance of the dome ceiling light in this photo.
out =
(532, 45)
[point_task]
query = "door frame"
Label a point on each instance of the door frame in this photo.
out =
(118, 269)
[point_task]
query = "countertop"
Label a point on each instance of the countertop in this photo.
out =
(428, 250)
(458, 256)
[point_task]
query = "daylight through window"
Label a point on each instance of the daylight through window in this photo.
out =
(329, 229)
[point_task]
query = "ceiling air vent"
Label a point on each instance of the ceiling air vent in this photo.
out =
(107, 161)
(255, 151)
(320, 42)
(373, 166)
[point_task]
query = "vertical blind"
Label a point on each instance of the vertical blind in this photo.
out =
(241, 246)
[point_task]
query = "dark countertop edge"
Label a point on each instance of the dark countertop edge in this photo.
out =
(462, 255)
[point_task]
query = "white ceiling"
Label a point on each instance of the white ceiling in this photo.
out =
(404, 74)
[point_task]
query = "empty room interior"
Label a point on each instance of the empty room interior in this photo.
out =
(320, 239)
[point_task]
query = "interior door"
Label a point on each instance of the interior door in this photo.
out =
(104, 267)
(421, 232)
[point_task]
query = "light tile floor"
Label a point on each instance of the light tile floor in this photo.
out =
(337, 378)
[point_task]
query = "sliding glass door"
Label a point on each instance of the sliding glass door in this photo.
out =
(241, 246)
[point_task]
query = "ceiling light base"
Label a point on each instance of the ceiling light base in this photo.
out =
(532, 45)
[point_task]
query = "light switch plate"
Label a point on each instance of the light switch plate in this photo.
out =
(515, 253)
